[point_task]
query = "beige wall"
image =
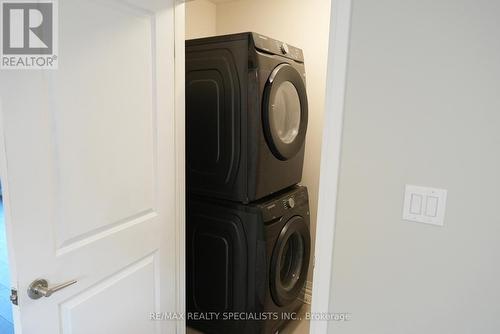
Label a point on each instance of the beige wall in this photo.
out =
(304, 24)
(200, 19)
(422, 107)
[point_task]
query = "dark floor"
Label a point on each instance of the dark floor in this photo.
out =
(5, 305)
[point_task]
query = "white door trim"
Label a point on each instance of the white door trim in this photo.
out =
(180, 129)
(340, 23)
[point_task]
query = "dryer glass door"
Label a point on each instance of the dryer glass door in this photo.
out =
(290, 261)
(285, 112)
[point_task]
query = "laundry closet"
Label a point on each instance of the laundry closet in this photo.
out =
(255, 82)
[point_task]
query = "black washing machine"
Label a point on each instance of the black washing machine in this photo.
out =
(247, 264)
(246, 116)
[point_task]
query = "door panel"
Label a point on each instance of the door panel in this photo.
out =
(139, 298)
(106, 130)
(91, 174)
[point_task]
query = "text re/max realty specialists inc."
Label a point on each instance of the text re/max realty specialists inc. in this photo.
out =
(243, 316)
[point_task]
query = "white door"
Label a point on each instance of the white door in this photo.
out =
(90, 173)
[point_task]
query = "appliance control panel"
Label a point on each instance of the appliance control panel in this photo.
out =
(273, 46)
(281, 205)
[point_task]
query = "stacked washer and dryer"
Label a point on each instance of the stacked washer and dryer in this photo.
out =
(248, 240)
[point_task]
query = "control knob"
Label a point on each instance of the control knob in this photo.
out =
(289, 203)
(284, 48)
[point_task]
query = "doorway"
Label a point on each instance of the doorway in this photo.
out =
(206, 18)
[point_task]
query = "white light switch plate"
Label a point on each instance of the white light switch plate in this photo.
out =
(424, 205)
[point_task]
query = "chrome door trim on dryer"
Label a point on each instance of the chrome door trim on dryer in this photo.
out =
(285, 111)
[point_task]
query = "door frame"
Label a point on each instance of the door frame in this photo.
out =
(180, 186)
(340, 23)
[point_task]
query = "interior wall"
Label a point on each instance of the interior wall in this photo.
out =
(200, 19)
(304, 24)
(423, 108)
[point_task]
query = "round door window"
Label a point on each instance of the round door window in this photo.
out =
(285, 112)
(290, 261)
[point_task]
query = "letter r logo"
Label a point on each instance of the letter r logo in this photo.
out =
(27, 28)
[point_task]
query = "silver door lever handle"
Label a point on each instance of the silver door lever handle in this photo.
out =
(40, 288)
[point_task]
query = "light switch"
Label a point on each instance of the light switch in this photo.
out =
(416, 204)
(424, 205)
(431, 206)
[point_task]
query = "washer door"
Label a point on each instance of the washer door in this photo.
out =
(290, 261)
(285, 112)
